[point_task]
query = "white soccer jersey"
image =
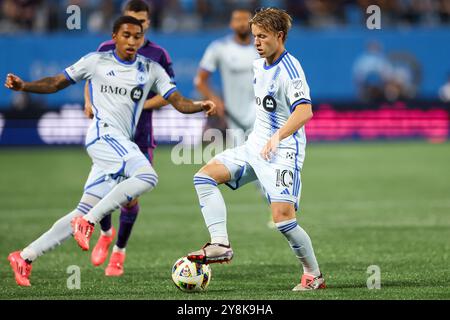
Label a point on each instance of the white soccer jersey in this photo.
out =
(279, 89)
(118, 89)
(235, 63)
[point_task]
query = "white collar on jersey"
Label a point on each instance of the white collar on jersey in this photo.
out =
(123, 61)
(266, 67)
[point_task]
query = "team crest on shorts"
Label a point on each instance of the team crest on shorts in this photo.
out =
(269, 103)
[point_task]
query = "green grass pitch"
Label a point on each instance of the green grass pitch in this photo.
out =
(384, 204)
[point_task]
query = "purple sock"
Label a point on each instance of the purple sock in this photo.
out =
(105, 223)
(127, 218)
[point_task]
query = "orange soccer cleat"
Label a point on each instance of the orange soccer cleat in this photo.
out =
(22, 269)
(115, 265)
(101, 249)
(82, 231)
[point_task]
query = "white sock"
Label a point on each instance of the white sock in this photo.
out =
(117, 249)
(59, 232)
(143, 180)
(106, 233)
(28, 254)
(213, 207)
(301, 245)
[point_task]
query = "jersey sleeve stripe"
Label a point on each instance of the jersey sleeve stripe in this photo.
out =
(287, 69)
(300, 101)
(68, 77)
(293, 66)
(168, 93)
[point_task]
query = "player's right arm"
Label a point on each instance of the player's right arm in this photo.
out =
(208, 65)
(87, 102)
(201, 82)
(44, 85)
(105, 46)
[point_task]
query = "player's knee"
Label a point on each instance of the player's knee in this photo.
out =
(282, 212)
(216, 171)
(147, 174)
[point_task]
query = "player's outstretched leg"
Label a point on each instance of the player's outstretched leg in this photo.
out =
(215, 215)
(128, 215)
(20, 261)
(300, 243)
(141, 180)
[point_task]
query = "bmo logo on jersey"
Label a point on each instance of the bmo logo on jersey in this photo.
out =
(268, 103)
(113, 90)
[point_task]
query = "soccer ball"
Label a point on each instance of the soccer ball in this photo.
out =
(190, 276)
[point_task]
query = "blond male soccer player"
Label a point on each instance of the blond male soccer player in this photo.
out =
(273, 154)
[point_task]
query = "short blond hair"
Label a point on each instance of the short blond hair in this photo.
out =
(273, 20)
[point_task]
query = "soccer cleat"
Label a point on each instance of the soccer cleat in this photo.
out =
(100, 252)
(212, 253)
(115, 265)
(310, 282)
(22, 269)
(82, 231)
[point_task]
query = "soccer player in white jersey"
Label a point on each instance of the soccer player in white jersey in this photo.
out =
(119, 81)
(273, 154)
(233, 57)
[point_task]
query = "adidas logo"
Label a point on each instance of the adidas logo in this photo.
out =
(285, 191)
(111, 73)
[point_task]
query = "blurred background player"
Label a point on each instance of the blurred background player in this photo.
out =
(273, 154)
(233, 57)
(120, 172)
(143, 138)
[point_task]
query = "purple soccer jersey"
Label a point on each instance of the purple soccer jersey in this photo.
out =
(144, 130)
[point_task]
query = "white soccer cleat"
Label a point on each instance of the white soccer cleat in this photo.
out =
(212, 253)
(310, 282)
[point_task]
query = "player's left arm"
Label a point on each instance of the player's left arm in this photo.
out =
(163, 83)
(158, 101)
(185, 105)
(155, 102)
(301, 115)
(44, 85)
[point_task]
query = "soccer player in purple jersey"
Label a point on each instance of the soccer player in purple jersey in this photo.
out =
(143, 138)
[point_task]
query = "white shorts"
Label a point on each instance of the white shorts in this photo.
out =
(281, 181)
(114, 158)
